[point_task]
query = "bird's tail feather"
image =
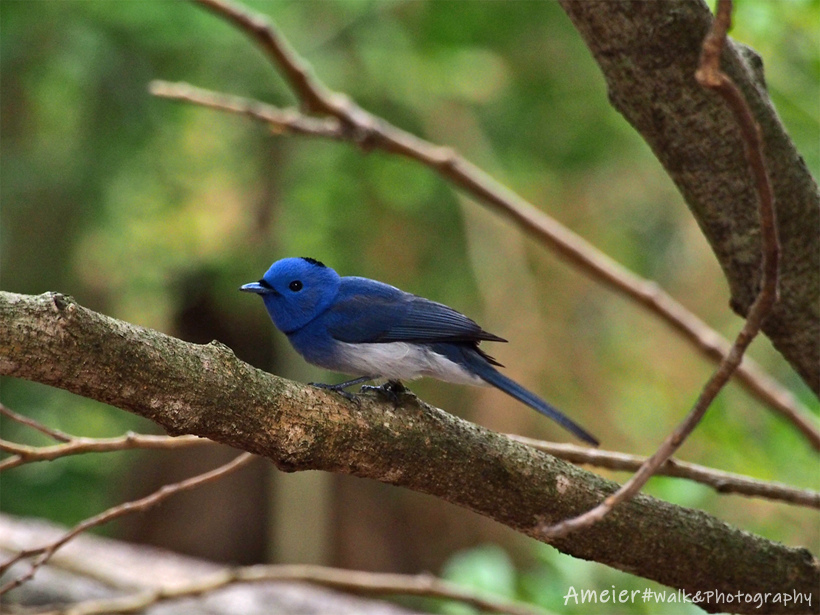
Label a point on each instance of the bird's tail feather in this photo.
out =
(492, 376)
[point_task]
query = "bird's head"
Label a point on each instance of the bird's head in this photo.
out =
(295, 291)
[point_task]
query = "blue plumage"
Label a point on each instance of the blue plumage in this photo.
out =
(370, 329)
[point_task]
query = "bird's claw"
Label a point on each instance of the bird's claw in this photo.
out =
(336, 388)
(392, 390)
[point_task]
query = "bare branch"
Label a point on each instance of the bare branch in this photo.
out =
(722, 482)
(280, 121)
(314, 95)
(29, 422)
(709, 75)
(351, 581)
(45, 553)
(76, 446)
(369, 132)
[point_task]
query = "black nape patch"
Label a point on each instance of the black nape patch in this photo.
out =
(313, 261)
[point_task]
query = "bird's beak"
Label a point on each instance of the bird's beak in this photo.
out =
(257, 288)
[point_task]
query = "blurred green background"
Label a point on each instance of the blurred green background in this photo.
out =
(155, 212)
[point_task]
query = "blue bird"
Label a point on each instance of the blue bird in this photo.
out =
(373, 330)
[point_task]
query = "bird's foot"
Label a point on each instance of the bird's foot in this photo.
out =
(336, 389)
(392, 390)
(341, 386)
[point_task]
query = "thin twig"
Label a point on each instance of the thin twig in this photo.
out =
(371, 583)
(45, 553)
(75, 446)
(709, 75)
(29, 422)
(311, 92)
(280, 121)
(722, 482)
(369, 132)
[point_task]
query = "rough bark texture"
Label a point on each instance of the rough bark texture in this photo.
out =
(648, 52)
(206, 390)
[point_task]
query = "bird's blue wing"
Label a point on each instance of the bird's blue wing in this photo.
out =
(366, 311)
(428, 321)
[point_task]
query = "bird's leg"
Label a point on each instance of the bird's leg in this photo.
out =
(391, 389)
(340, 387)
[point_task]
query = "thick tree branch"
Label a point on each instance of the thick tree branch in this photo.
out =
(207, 391)
(649, 52)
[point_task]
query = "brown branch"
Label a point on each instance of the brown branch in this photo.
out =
(373, 132)
(722, 482)
(76, 445)
(46, 552)
(710, 76)
(352, 581)
(280, 121)
(207, 391)
(311, 92)
(29, 422)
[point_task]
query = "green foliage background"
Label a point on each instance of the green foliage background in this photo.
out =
(133, 204)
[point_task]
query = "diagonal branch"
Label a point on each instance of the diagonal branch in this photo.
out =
(311, 92)
(370, 132)
(710, 75)
(207, 391)
(56, 434)
(43, 554)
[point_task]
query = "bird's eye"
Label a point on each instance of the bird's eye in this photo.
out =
(295, 286)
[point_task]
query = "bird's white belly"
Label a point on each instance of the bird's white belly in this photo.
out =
(401, 361)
